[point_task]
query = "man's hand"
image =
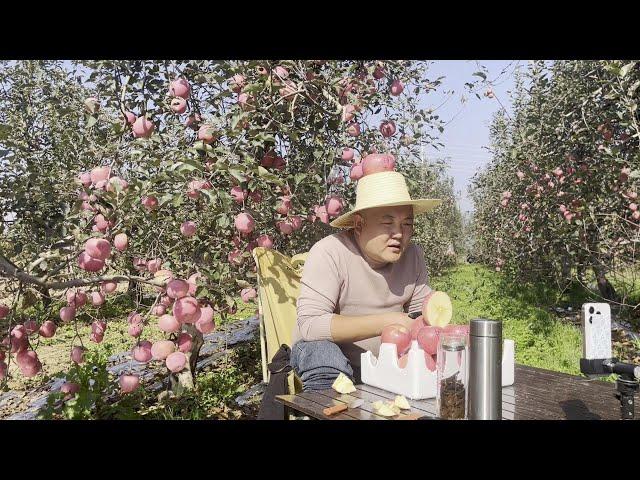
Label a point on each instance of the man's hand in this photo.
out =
(356, 328)
(399, 318)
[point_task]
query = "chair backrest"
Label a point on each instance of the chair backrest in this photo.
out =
(278, 288)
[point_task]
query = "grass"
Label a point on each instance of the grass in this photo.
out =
(541, 339)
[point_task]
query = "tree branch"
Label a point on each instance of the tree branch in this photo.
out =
(7, 268)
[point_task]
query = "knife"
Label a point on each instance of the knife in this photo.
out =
(356, 403)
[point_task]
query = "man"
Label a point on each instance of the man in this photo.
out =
(357, 281)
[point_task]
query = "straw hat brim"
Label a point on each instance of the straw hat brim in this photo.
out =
(420, 206)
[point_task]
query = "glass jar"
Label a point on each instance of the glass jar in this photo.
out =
(451, 369)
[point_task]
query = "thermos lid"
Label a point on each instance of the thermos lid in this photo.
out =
(481, 327)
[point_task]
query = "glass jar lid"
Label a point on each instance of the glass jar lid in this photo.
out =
(453, 345)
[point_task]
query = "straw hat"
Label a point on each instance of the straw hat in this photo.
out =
(384, 189)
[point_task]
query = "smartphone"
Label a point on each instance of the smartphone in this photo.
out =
(596, 330)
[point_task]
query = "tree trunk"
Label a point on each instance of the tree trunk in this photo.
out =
(580, 273)
(46, 297)
(604, 286)
(565, 273)
(186, 379)
(131, 288)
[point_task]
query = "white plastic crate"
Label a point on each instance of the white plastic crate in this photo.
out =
(416, 381)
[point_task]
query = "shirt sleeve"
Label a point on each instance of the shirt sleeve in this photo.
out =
(319, 293)
(422, 288)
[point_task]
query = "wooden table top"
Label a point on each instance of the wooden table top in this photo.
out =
(536, 394)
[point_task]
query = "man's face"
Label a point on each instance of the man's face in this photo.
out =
(384, 233)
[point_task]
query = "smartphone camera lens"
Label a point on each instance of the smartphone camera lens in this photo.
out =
(591, 309)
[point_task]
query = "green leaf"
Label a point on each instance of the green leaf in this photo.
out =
(223, 221)
(185, 166)
(238, 175)
(625, 70)
(203, 147)
(117, 128)
(210, 195)
(91, 121)
(202, 292)
(270, 177)
(177, 200)
(481, 75)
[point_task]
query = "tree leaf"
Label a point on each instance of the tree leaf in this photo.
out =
(625, 70)
(238, 175)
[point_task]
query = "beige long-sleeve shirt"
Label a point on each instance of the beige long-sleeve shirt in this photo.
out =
(337, 279)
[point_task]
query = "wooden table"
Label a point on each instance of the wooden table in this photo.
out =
(536, 394)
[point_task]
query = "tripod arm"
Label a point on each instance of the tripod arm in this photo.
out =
(625, 369)
(627, 383)
(606, 366)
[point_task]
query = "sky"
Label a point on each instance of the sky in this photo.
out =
(468, 129)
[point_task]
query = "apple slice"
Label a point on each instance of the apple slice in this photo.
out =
(343, 384)
(385, 409)
(401, 402)
(437, 309)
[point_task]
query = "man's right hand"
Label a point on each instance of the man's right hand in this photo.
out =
(399, 318)
(355, 328)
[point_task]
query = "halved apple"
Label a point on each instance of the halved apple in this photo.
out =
(437, 309)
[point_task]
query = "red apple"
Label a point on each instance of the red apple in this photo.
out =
(168, 323)
(185, 341)
(162, 349)
(347, 154)
(180, 88)
(417, 324)
(179, 105)
(353, 129)
(397, 334)
(128, 383)
(356, 172)
(143, 128)
(428, 339)
(430, 360)
(396, 88)
(388, 128)
(176, 361)
(378, 162)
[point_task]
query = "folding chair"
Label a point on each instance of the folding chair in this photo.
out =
(278, 288)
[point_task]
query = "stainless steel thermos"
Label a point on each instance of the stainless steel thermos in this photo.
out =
(485, 370)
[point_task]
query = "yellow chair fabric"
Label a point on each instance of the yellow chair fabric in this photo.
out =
(278, 288)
